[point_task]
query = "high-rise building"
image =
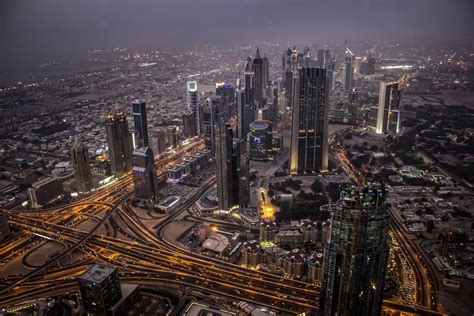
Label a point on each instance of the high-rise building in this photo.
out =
(249, 83)
(100, 289)
(159, 142)
(140, 123)
(82, 167)
(141, 158)
(209, 114)
(307, 57)
(120, 143)
(349, 70)
(286, 60)
(309, 130)
(357, 256)
(259, 73)
(227, 93)
(266, 75)
(323, 58)
(226, 172)
(388, 111)
(353, 106)
(245, 114)
(173, 136)
(192, 99)
(45, 191)
(189, 125)
(261, 140)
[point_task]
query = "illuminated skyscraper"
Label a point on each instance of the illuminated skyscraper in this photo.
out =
(226, 166)
(245, 114)
(261, 140)
(227, 93)
(249, 83)
(144, 175)
(259, 73)
(140, 123)
(388, 111)
(357, 256)
(120, 143)
(349, 70)
(209, 114)
(100, 289)
(323, 58)
(192, 95)
(309, 129)
(82, 167)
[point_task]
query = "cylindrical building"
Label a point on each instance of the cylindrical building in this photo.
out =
(261, 138)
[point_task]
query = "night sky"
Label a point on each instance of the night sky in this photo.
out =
(42, 30)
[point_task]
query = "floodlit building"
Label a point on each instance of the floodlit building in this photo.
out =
(140, 123)
(120, 143)
(357, 256)
(82, 167)
(388, 110)
(261, 140)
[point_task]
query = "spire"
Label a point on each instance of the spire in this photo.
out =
(257, 54)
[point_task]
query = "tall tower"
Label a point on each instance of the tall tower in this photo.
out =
(388, 111)
(309, 130)
(226, 173)
(192, 99)
(249, 82)
(189, 125)
(266, 75)
(210, 113)
(144, 175)
(357, 256)
(120, 143)
(82, 167)
(349, 69)
(258, 68)
(140, 124)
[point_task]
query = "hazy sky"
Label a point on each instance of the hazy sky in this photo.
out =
(33, 30)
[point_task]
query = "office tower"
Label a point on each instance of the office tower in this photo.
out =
(227, 93)
(258, 69)
(140, 124)
(249, 82)
(357, 65)
(173, 136)
(266, 75)
(244, 179)
(225, 164)
(189, 125)
(159, 142)
(388, 114)
(291, 78)
(210, 112)
(120, 143)
(348, 70)
(323, 58)
(82, 167)
(353, 106)
(286, 60)
(45, 191)
(141, 158)
(100, 289)
(261, 140)
(192, 101)
(245, 114)
(309, 130)
(151, 188)
(4, 228)
(370, 64)
(357, 256)
(306, 57)
(330, 66)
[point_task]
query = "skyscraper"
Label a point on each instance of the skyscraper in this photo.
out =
(388, 111)
(140, 123)
(173, 136)
(209, 113)
(309, 130)
(266, 75)
(144, 176)
(227, 93)
(100, 289)
(323, 58)
(249, 82)
(226, 166)
(357, 256)
(353, 106)
(189, 125)
(82, 167)
(349, 70)
(120, 143)
(259, 73)
(244, 114)
(159, 142)
(261, 140)
(192, 99)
